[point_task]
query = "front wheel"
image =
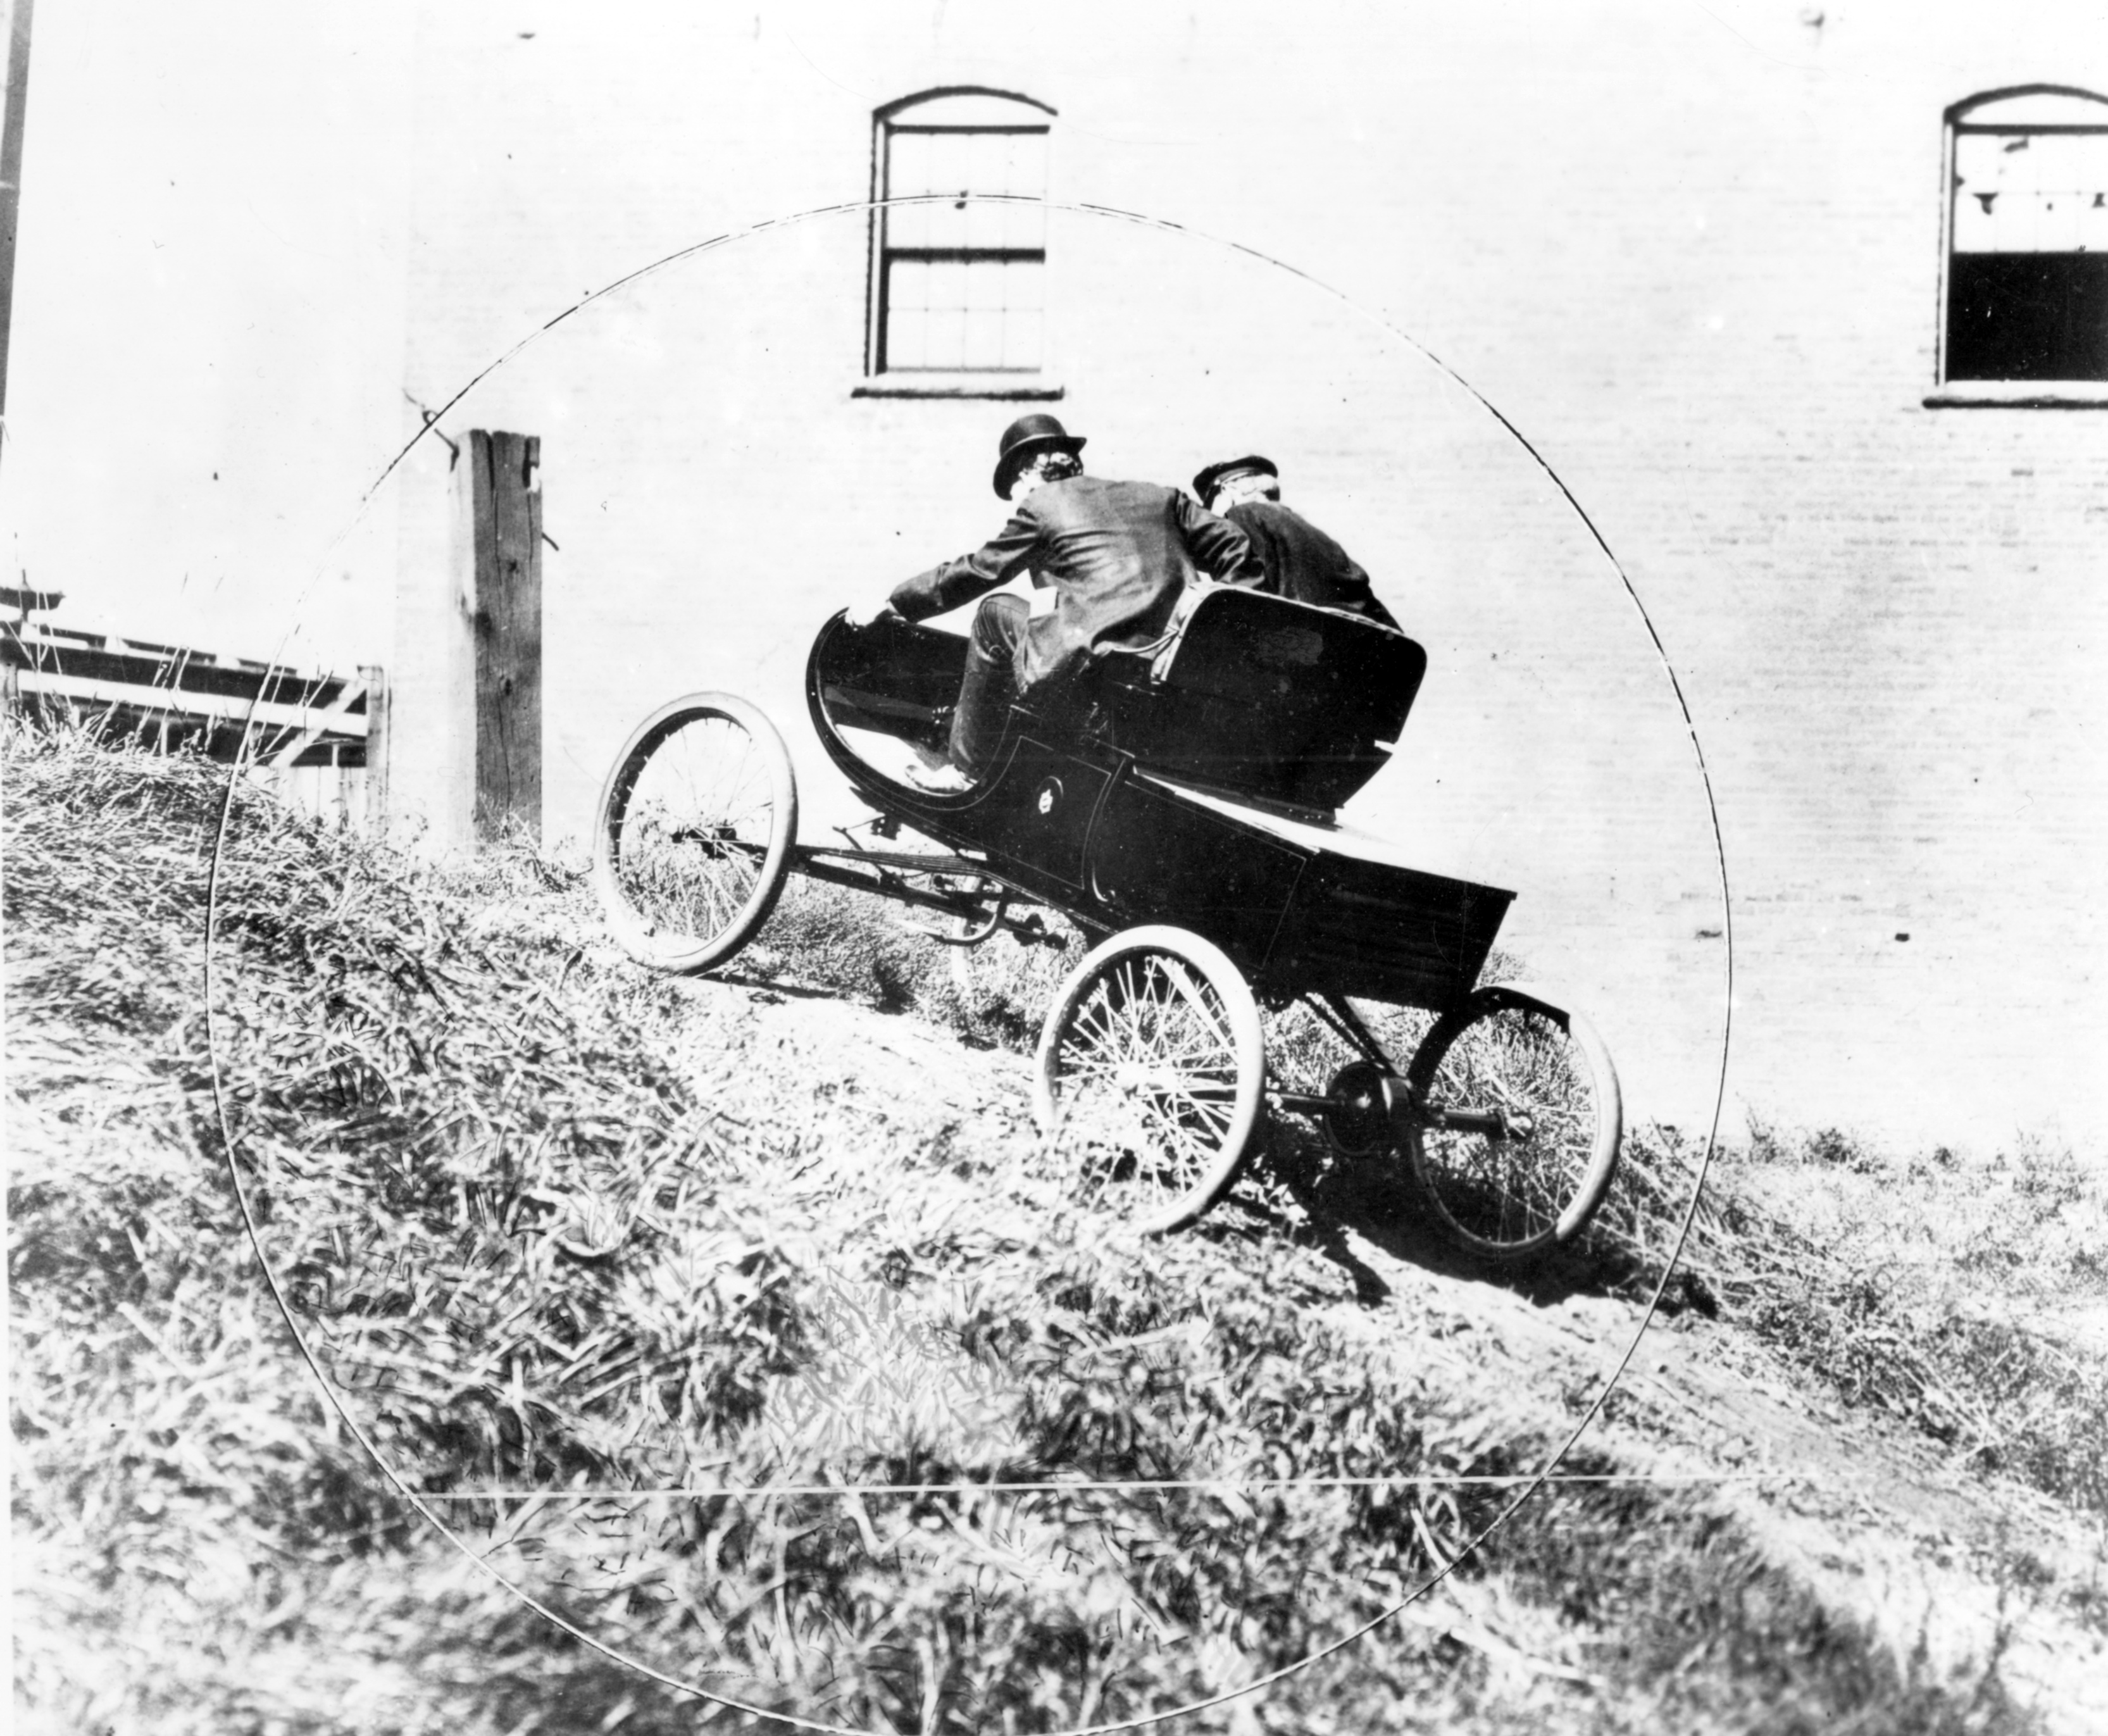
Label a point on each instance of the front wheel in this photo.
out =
(691, 843)
(1151, 1073)
(1514, 1123)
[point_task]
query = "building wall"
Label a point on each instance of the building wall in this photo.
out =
(1691, 253)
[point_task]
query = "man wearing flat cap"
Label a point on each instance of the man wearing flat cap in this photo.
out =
(1301, 561)
(1117, 554)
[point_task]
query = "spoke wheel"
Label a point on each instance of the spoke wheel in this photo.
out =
(1505, 1195)
(1151, 1071)
(691, 843)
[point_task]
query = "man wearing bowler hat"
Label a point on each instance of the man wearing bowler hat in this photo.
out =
(1117, 555)
(1301, 561)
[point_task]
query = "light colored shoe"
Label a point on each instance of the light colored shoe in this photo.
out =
(945, 779)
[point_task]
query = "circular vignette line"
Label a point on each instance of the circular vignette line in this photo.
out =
(1535, 1482)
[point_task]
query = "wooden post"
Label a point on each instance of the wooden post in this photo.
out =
(506, 486)
(11, 173)
(375, 816)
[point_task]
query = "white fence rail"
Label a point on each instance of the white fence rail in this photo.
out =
(318, 740)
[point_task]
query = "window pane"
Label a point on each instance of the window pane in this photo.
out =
(907, 172)
(2093, 224)
(978, 310)
(984, 285)
(947, 224)
(997, 163)
(908, 284)
(907, 163)
(949, 171)
(944, 345)
(1028, 171)
(947, 285)
(906, 339)
(981, 339)
(2023, 192)
(1015, 309)
(2027, 282)
(2027, 316)
(1021, 342)
(907, 225)
(941, 170)
(962, 163)
(1024, 285)
(1026, 226)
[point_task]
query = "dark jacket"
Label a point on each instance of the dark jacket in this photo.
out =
(1118, 553)
(1304, 564)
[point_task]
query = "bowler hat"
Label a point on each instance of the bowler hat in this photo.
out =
(1205, 482)
(1027, 436)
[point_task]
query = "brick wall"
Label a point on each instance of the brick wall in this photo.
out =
(1691, 253)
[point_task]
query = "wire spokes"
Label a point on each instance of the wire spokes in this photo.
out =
(694, 833)
(1525, 1067)
(690, 842)
(1149, 1068)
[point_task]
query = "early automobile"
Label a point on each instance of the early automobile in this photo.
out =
(1185, 819)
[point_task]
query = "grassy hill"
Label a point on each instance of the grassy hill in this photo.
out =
(696, 1309)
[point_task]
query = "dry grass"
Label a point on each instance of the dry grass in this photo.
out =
(541, 1231)
(1968, 1298)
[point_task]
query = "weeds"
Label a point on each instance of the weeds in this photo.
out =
(1879, 1289)
(543, 1234)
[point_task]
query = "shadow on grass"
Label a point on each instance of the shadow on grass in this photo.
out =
(770, 986)
(1377, 1199)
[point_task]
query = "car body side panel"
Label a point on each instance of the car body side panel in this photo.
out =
(1156, 857)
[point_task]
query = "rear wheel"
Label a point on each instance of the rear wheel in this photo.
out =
(1514, 1140)
(1150, 1076)
(691, 844)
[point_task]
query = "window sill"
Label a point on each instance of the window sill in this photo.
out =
(1018, 388)
(2020, 395)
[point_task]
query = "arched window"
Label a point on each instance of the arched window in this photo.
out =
(958, 283)
(2024, 299)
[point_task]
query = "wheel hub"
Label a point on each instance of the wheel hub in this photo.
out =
(719, 832)
(1136, 1079)
(1357, 1118)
